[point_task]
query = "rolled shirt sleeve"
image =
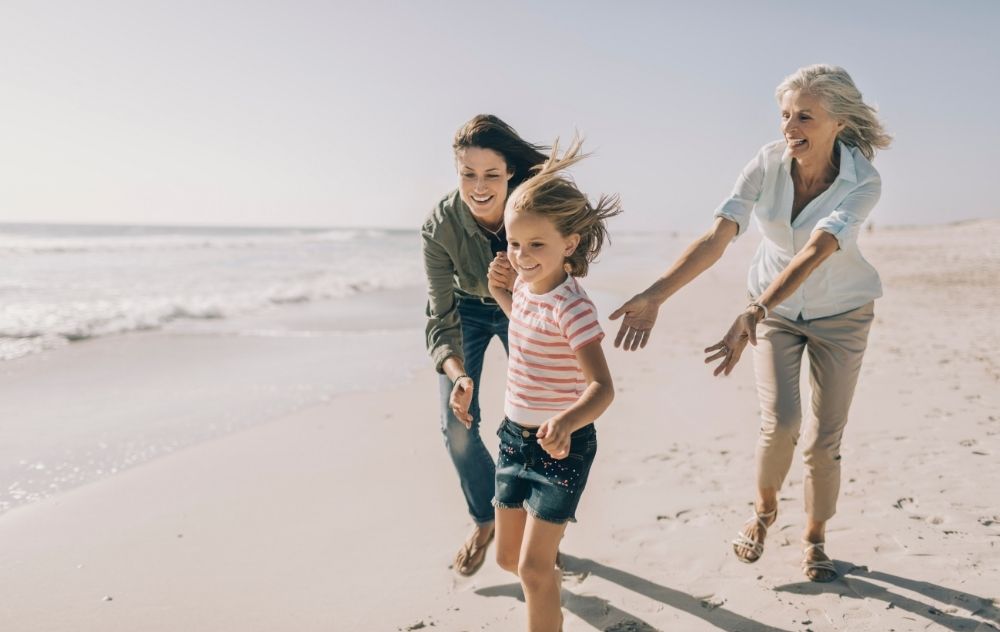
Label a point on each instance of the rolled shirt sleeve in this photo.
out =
(739, 205)
(444, 328)
(845, 221)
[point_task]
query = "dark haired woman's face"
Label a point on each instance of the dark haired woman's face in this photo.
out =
(482, 182)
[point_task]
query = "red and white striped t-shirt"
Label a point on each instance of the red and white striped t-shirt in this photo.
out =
(543, 376)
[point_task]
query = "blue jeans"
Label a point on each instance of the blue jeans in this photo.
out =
(476, 470)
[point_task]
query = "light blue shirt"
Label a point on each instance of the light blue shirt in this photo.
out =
(845, 280)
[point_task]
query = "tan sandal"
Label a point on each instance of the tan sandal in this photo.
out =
(471, 556)
(821, 571)
(749, 545)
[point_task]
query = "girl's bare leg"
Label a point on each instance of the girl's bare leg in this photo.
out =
(509, 535)
(539, 575)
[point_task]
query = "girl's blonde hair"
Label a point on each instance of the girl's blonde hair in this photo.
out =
(553, 194)
(843, 101)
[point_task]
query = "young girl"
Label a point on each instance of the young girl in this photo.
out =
(558, 381)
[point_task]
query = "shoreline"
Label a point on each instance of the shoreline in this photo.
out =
(132, 398)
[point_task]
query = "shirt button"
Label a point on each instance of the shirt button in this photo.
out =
(525, 434)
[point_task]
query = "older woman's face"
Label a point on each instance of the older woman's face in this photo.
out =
(482, 177)
(808, 128)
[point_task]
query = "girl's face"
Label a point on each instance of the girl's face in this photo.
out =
(482, 182)
(537, 250)
(808, 128)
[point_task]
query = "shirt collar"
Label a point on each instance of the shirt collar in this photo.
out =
(465, 216)
(847, 170)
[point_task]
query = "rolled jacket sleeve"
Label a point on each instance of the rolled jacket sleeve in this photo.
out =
(444, 327)
(845, 221)
(739, 205)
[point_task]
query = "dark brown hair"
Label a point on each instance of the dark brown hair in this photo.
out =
(489, 132)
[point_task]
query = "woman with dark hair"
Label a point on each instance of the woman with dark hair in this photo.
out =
(460, 238)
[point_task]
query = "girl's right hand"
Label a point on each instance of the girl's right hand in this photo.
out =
(501, 273)
(554, 437)
(461, 399)
(640, 315)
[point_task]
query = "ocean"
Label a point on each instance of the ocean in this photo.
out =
(64, 283)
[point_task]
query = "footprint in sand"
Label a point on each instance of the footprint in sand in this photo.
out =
(657, 457)
(887, 543)
(710, 602)
(673, 517)
(818, 621)
(988, 521)
(907, 503)
(575, 579)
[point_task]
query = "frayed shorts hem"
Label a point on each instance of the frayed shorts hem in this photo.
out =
(524, 506)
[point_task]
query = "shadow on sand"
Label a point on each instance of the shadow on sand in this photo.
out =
(604, 616)
(853, 585)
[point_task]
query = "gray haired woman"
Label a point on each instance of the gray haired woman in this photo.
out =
(810, 291)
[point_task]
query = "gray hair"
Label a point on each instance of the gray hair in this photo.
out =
(843, 101)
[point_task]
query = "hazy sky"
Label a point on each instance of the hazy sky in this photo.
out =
(342, 113)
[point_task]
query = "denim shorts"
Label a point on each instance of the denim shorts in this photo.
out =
(528, 478)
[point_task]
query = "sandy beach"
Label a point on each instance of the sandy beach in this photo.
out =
(342, 512)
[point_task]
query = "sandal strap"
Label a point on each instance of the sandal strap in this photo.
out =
(826, 565)
(743, 541)
(759, 518)
(816, 565)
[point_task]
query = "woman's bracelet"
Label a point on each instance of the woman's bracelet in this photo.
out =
(760, 305)
(455, 381)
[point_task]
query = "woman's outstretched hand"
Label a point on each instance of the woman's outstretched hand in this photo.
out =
(461, 399)
(640, 315)
(731, 347)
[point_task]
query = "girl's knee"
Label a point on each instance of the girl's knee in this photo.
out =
(535, 575)
(507, 560)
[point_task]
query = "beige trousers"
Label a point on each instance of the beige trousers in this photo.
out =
(836, 345)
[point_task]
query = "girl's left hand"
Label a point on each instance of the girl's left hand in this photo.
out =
(554, 437)
(501, 273)
(731, 347)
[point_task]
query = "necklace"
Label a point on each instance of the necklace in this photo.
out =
(495, 233)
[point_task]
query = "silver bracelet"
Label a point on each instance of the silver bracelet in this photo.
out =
(760, 305)
(455, 381)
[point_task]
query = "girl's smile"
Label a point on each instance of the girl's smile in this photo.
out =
(537, 250)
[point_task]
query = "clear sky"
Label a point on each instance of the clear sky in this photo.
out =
(342, 113)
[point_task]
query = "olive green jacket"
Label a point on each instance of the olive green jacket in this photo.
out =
(457, 257)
